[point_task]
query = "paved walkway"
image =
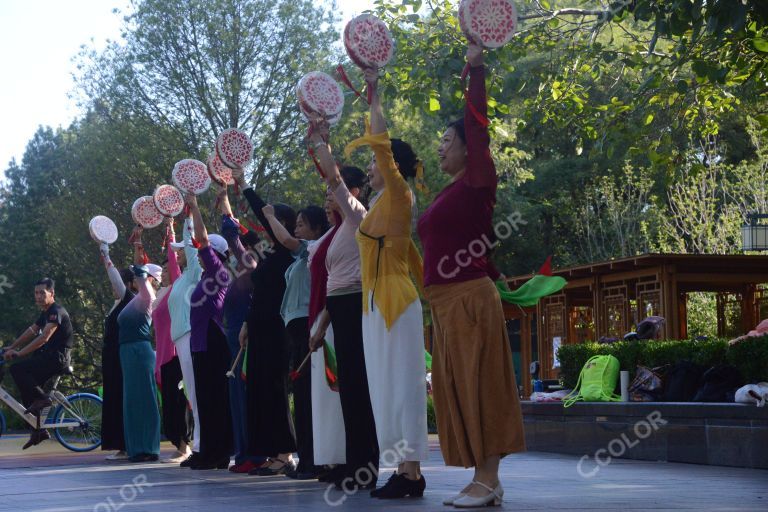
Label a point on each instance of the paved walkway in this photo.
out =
(49, 479)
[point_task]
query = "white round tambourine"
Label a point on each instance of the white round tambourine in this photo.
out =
(234, 148)
(168, 200)
(368, 41)
(489, 23)
(191, 176)
(102, 229)
(319, 93)
(145, 213)
(219, 172)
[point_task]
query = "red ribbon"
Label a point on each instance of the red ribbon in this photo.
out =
(255, 227)
(346, 81)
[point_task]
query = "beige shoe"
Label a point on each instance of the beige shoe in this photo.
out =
(176, 457)
(493, 498)
(449, 501)
(117, 456)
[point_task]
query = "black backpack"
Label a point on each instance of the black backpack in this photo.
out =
(719, 384)
(682, 381)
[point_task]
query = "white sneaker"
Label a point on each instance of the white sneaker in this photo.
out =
(117, 456)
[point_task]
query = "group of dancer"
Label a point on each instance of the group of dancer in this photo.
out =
(345, 278)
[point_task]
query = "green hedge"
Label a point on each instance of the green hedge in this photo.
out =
(749, 356)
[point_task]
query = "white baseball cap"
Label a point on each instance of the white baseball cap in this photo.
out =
(218, 243)
(155, 271)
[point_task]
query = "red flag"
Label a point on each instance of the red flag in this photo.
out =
(546, 268)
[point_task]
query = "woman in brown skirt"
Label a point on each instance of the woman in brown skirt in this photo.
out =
(475, 391)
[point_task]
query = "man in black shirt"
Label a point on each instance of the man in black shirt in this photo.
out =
(48, 340)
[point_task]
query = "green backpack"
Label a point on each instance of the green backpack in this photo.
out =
(597, 381)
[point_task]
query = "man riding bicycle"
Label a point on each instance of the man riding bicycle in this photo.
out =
(48, 341)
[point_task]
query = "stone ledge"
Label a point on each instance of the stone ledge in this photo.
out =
(698, 433)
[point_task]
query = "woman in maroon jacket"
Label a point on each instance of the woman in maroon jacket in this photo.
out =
(475, 392)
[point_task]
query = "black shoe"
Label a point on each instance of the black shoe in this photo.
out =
(332, 475)
(218, 463)
(192, 459)
(38, 405)
(144, 457)
(400, 486)
(37, 437)
(302, 475)
(281, 467)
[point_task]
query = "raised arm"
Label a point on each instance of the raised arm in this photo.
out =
(378, 138)
(480, 170)
(138, 246)
(201, 234)
(190, 251)
(319, 141)
(118, 287)
(281, 234)
(173, 263)
(230, 230)
(256, 203)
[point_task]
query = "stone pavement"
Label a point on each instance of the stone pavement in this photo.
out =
(49, 479)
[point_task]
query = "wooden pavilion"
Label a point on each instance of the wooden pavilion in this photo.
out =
(607, 299)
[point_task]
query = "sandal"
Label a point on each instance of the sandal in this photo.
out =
(277, 467)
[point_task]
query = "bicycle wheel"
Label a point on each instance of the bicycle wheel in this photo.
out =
(85, 436)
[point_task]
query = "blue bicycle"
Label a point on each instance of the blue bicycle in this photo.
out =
(75, 419)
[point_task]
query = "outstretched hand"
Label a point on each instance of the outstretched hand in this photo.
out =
(474, 54)
(190, 200)
(371, 76)
(136, 234)
(319, 129)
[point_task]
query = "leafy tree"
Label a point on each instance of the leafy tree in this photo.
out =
(201, 67)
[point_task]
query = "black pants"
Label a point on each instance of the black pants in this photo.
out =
(212, 393)
(298, 339)
(34, 372)
(346, 313)
(112, 437)
(270, 425)
(177, 418)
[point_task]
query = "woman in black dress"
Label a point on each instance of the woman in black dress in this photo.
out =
(123, 290)
(270, 426)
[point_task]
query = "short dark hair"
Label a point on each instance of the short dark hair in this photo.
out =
(47, 282)
(353, 177)
(126, 275)
(286, 215)
(316, 218)
(405, 158)
(458, 127)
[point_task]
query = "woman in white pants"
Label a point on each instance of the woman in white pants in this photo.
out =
(179, 307)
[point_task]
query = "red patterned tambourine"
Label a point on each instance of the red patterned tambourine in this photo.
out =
(368, 41)
(234, 148)
(191, 176)
(145, 213)
(168, 200)
(219, 172)
(102, 229)
(319, 93)
(489, 23)
(331, 120)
